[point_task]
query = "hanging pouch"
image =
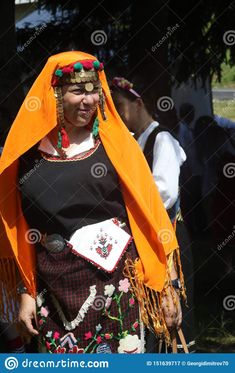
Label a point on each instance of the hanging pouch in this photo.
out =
(102, 244)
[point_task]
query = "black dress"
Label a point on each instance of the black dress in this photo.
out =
(80, 308)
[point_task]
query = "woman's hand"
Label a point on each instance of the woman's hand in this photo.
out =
(27, 313)
(172, 312)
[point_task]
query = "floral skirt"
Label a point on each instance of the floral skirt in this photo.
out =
(82, 309)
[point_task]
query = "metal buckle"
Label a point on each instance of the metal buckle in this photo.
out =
(54, 243)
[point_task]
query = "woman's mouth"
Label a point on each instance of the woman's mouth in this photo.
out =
(85, 112)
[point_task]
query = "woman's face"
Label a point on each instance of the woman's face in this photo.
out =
(127, 109)
(79, 104)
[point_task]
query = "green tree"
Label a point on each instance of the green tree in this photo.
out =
(192, 36)
(11, 94)
(163, 41)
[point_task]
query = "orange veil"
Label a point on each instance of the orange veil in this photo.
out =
(151, 228)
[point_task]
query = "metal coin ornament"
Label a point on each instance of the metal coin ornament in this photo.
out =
(89, 87)
(54, 243)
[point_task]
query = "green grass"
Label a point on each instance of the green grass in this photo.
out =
(214, 325)
(218, 337)
(228, 78)
(225, 108)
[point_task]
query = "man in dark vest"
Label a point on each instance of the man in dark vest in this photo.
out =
(164, 156)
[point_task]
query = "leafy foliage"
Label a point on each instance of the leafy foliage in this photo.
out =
(197, 47)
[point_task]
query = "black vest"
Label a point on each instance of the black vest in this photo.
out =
(148, 153)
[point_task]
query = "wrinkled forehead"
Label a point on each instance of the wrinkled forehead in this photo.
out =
(90, 86)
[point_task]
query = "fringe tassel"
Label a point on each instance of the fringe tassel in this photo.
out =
(102, 104)
(9, 299)
(149, 303)
(65, 139)
(178, 267)
(175, 256)
(95, 128)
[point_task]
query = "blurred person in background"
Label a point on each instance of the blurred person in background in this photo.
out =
(216, 151)
(165, 157)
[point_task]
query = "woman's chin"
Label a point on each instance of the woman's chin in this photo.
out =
(80, 122)
(83, 119)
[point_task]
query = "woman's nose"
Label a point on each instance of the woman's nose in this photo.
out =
(89, 99)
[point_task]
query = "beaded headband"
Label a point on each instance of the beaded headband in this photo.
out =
(87, 72)
(123, 83)
(78, 72)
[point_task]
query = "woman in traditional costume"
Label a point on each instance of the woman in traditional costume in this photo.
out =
(87, 247)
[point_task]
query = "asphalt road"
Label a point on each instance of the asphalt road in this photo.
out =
(223, 94)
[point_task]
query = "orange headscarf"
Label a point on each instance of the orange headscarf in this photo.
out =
(151, 228)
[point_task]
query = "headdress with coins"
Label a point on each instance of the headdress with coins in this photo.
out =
(85, 71)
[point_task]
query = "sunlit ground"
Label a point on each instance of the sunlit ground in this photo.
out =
(214, 280)
(225, 108)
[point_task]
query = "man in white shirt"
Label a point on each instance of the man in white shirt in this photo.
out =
(168, 155)
(164, 156)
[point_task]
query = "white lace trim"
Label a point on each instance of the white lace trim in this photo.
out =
(40, 299)
(142, 335)
(87, 144)
(71, 325)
